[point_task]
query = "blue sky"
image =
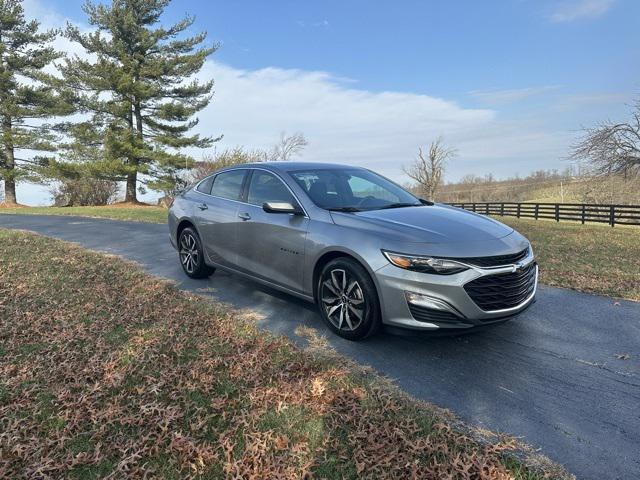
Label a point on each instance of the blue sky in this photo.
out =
(443, 49)
(509, 83)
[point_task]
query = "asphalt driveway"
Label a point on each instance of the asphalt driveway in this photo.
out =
(552, 376)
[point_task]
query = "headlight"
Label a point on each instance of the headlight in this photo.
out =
(439, 266)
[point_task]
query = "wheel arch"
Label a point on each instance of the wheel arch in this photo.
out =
(332, 254)
(182, 224)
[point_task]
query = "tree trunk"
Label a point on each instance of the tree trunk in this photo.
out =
(9, 184)
(132, 178)
(130, 194)
(137, 110)
(10, 192)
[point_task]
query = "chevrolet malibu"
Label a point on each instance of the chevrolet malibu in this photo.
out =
(366, 251)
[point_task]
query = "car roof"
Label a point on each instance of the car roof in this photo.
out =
(292, 166)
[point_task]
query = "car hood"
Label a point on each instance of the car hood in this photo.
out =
(426, 224)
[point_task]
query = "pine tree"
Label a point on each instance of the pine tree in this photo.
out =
(27, 96)
(140, 92)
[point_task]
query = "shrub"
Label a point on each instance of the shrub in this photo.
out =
(83, 192)
(226, 158)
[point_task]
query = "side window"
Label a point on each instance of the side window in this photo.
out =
(205, 185)
(266, 187)
(228, 184)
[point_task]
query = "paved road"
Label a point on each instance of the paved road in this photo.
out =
(550, 376)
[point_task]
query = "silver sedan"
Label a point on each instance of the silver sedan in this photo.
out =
(366, 251)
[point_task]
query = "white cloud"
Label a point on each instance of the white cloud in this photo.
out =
(47, 17)
(379, 130)
(503, 97)
(569, 11)
(342, 124)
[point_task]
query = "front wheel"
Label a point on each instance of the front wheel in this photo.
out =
(192, 254)
(348, 300)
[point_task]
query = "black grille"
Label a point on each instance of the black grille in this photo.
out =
(431, 315)
(496, 260)
(503, 290)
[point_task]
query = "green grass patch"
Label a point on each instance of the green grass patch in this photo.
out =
(31, 348)
(296, 420)
(141, 213)
(92, 472)
(46, 414)
(5, 394)
(118, 335)
(81, 443)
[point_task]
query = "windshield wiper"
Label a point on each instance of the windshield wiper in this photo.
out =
(400, 205)
(344, 209)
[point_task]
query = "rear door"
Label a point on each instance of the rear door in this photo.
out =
(271, 245)
(217, 215)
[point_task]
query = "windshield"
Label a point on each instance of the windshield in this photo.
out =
(352, 190)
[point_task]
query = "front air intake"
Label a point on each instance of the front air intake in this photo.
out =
(503, 290)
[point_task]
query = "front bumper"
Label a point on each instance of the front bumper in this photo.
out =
(446, 304)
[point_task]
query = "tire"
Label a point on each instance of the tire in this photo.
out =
(348, 304)
(191, 254)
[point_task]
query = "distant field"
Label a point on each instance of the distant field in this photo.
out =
(138, 213)
(616, 190)
(592, 258)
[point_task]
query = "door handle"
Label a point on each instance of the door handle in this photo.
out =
(203, 206)
(244, 216)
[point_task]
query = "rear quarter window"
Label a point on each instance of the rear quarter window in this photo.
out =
(205, 185)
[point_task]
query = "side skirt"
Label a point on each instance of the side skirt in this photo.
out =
(276, 286)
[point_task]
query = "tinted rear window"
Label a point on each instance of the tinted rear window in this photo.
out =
(205, 185)
(228, 184)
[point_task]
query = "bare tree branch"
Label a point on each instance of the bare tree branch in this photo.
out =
(611, 148)
(428, 170)
(288, 146)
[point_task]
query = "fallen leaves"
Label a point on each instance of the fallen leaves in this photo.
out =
(106, 372)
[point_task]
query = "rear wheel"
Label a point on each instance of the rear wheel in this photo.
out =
(192, 254)
(348, 300)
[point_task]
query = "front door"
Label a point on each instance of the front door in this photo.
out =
(271, 245)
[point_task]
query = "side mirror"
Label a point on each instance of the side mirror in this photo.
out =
(281, 207)
(426, 202)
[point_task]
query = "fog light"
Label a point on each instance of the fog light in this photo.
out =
(425, 301)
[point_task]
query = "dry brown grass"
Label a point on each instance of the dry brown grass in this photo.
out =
(11, 205)
(591, 258)
(124, 204)
(106, 372)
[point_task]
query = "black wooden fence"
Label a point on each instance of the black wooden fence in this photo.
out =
(580, 212)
